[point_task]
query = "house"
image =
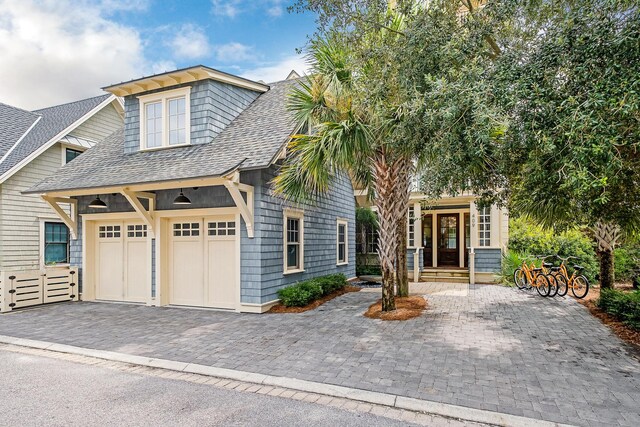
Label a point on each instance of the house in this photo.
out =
(33, 145)
(177, 208)
(451, 239)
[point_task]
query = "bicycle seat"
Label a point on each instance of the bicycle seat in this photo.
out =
(537, 270)
(578, 267)
(555, 268)
(547, 265)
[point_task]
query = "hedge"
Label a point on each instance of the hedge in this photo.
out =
(304, 293)
(624, 306)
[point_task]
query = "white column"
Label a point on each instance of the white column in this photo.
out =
(417, 239)
(435, 233)
(473, 214)
(461, 239)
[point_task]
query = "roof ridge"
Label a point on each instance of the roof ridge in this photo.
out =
(72, 102)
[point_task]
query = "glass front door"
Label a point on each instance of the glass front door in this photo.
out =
(448, 240)
(427, 240)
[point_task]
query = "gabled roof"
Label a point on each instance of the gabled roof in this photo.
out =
(252, 141)
(51, 124)
(14, 124)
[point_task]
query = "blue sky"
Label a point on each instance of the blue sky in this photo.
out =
(74, 47)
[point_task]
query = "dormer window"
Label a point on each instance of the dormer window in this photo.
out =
(164, 119)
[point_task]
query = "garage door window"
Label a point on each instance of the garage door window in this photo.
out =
(138, 230)
(222, 228)
(109, 231)
(186, 229)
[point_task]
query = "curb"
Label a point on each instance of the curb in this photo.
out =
(372, 397)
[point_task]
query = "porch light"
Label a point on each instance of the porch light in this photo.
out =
(97, 203)
(181, 199)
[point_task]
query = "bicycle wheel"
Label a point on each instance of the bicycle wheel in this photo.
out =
(561, 282)
(519, 278)
(553, 285)
(580, 287)
(542, 285)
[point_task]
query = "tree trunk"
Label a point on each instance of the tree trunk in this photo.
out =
(385, 173)
(606, 236)
(402, 279)
(606, 269)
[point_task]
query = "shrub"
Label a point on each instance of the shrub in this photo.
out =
(306, 292)
(626, 262)
(624, 306)
(510, 261)
(368, 270)
(526, 237)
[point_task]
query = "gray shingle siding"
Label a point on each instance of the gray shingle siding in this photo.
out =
(487, 260)
(75, 253)
(213, 106)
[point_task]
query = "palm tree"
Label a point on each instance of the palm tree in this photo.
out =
(344, 133)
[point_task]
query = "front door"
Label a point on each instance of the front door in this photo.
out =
(427, 240)
(448, 240)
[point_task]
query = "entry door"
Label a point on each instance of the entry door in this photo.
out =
(427, 240)
(186, 263)
(448, 240)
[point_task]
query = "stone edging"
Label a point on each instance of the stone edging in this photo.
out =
(391, 400)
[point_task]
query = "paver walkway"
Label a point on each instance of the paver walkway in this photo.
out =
(496, 348)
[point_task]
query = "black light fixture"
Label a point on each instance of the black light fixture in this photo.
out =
(97, 203)
(181, 199)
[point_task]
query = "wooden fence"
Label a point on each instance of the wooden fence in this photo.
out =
(20, 289)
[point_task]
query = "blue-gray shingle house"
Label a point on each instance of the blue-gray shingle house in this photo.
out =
(177, 207)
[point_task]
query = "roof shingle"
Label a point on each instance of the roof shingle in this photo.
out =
(251, 141)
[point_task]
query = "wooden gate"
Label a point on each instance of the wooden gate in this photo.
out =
(20, 289)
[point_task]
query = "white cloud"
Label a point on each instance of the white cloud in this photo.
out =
(54, 52)
(228, 8)
(233, 8)
(190, 42)
(233, 52)
(277, 71)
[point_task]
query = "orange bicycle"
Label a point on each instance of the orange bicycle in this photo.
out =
(578, 283)
(529, 276)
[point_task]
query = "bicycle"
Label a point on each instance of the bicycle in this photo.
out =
(529, 276)
(578, 283)
(552, 274)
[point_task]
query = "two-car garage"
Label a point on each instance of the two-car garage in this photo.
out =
(197, 261)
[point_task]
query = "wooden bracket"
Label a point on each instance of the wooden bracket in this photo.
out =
(134, 199)
(246, 208)
(71, 221)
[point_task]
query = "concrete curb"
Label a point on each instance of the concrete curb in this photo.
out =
(372, 397)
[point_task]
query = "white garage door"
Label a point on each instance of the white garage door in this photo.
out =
(122, 261)
(202, 262)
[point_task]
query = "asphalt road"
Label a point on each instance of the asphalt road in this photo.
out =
(39, 391)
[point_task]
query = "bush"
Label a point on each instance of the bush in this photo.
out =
(626, 262)
(624, 306)
(510, 261)
(368, 270)
(306, 292)
(526, 237)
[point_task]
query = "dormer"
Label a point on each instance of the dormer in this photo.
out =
(183, 107)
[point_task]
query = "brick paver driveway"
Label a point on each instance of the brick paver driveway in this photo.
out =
(496, 348)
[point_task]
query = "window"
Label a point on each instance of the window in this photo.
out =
(341, 243)
(293, 241)
(186, 229)
(71, 154)
(56, 243)
(411, 232)
(137, 230)
(484, 226)
(222, 228)
(109, 231)
(165, 119)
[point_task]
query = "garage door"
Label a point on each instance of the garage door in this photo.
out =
(122, 261)
(202, 262)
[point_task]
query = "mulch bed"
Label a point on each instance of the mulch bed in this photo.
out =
(406, 308)
(625, 333)
(279, 308)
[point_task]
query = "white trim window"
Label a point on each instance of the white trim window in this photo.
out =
(293, 241)
(54, 244)
(164, 119)
(484, 226)
(411, 229)
(342, 248)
